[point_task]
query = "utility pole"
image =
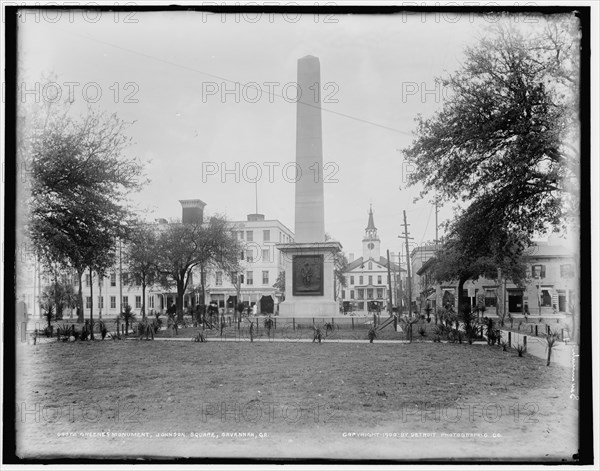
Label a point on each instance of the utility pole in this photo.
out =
(120, 280)
(406, 237)
(390, 283)
(399, 295)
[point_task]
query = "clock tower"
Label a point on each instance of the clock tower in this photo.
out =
(371, 242)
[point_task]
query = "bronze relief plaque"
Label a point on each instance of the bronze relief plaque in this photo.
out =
(307, 275)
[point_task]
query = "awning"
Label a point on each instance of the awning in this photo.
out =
(432, 297)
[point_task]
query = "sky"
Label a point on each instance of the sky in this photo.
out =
(174, 76)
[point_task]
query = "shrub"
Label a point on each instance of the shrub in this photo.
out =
(551, 339)
(422, 332)
(318, 334)
(128, 316)
(504, 345)
(520, 350)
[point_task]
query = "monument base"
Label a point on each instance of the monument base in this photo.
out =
(309, 279)
(316, 308)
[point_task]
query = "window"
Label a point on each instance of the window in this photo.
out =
(100, 281)
(351, 294)
(267, 235)
(361, 294)
(378, 279)
(242, 255)
(566, 271)
(233, 277)
(369, 293)
(125, 301)
(113, 302)
(125, 278)
(370, 265)
(138, 302)
(113, 279)
(249, 236)
(361, 306)
(88, 302)
(87, 280)
(538, 271)
(151, 302)
(241, 279)
(490, 298)
(370, 279)
(241, 233)
(266, 256)
(380, 293)
(546, 298)
(351, 280)
(360, 280)
(219, 278)
(265, 280)
(249, 278)
(249, 256)
(138, 280)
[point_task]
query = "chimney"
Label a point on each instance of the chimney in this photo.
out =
(350, 257)
(192, 211)
(256, 217)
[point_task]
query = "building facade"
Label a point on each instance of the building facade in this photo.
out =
(367, 287)
(550, 287)
(261, 263)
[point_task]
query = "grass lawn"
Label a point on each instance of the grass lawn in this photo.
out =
(297, 399)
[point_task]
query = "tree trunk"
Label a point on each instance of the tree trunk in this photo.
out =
(179, 302)
(143, 300)
(203, 285)
(91, 305)
(80, 297)
(461, 284)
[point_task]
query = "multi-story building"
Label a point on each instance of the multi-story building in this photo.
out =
(367, 277)
(550, 286)
(418, 257)
(261, 263)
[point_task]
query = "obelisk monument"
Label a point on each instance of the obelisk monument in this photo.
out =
(309, 261)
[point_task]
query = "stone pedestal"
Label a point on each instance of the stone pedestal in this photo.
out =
(309, 279)
(309, 261)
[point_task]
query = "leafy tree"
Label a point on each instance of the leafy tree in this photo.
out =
(60, 296)
(503, 136)
(139, 257)
(280, 283)
(506, 143)
(182, 247)
(80, 180)
(471, 250)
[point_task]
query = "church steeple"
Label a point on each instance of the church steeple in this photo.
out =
(371, 240)
(371, 230)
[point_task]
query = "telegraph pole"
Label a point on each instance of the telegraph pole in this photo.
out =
(390, 282)
(406, 237)
(120, 280)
